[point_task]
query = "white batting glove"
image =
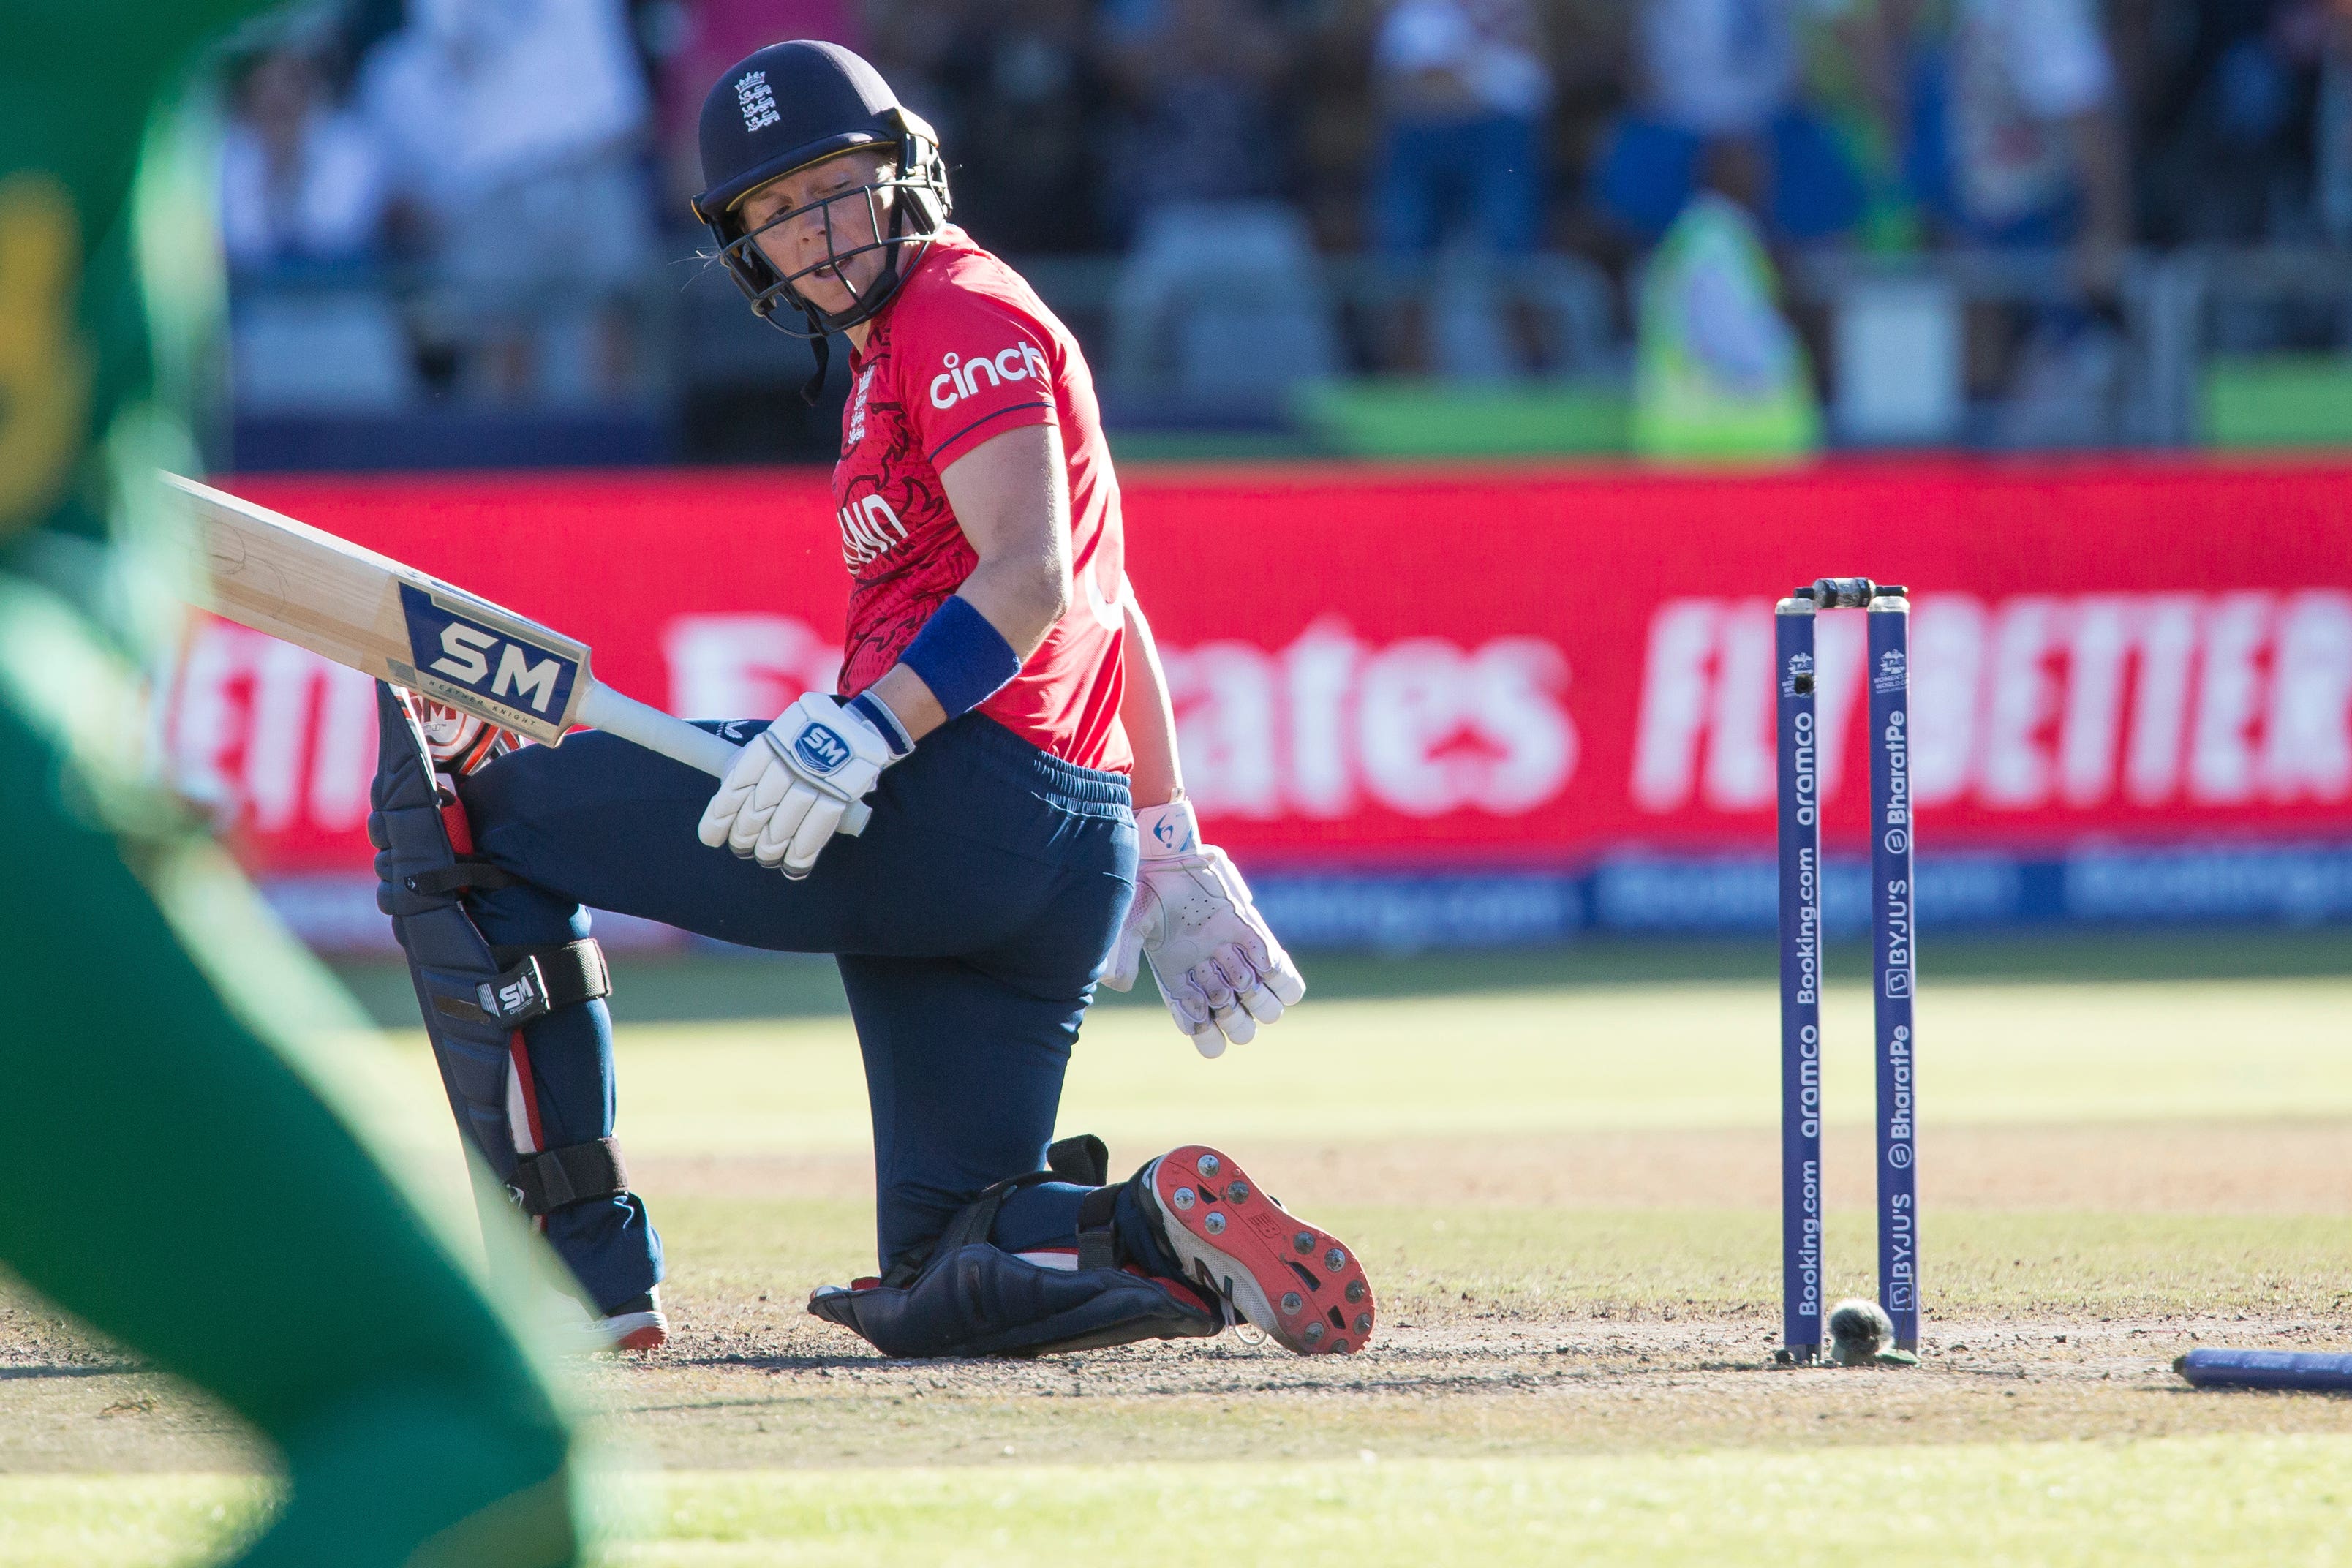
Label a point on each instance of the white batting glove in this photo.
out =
(785, 795)
(1220, 970)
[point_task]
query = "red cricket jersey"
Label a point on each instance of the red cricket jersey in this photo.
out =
(963, 353)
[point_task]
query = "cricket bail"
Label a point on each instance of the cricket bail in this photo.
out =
(1841, 592)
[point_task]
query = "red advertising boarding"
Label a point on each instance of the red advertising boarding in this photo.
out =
(1462, 669)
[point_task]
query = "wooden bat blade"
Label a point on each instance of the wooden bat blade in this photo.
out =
(271, 573)
(348, 603)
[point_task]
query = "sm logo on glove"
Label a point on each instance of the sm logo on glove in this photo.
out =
(820, 749)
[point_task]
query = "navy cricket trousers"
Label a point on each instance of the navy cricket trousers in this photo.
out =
(969, 920)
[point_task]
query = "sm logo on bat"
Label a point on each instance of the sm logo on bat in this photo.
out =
(490, 663)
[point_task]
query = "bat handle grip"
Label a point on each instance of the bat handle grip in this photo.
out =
(605, 709)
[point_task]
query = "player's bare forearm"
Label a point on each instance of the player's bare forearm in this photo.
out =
(1011, 499)
(911, 700)
(1150, 717)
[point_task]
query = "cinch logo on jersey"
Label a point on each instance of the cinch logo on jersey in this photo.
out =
(489, 663)
(868, 527)
(822, 751)
(958, 377)
(757, 101)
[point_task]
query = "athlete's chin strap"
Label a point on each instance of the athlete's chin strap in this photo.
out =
(964, 1296)
(823, 324)
(820, 345)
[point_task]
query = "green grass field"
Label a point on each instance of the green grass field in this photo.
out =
(2247, 1499)
(1565, 1186)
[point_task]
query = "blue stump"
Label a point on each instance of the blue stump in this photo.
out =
(1801, 982)
(2311, 1370)
(1893, 931)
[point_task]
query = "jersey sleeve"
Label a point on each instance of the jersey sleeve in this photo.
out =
(974, 366)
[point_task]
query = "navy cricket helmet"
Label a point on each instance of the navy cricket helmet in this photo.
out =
(793, 104)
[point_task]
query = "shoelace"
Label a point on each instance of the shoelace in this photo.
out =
(1249, 1333)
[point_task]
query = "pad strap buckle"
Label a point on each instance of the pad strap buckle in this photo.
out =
(1082, 1160)
(578, 1172)
(540, 981)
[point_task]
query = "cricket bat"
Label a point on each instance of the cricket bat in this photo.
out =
(366, 611)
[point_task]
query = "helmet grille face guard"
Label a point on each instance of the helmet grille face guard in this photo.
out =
(854, 226)
(790, 107)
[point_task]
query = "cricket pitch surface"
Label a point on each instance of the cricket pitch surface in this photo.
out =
(1567, 1199)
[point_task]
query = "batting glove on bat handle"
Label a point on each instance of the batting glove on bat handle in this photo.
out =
(1220, 970)
(793, 787)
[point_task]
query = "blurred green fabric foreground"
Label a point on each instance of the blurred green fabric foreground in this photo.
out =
(189, 1168)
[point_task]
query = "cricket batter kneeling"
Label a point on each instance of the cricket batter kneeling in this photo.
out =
(1004, 715)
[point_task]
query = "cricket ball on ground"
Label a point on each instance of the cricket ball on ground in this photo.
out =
(1859, 1329)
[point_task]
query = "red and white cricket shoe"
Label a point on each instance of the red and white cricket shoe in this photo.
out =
(635, 1325)
(1296, 1282)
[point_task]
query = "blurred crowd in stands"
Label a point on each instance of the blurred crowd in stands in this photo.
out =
(524, 150)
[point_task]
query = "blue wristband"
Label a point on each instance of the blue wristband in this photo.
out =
(963, 658)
